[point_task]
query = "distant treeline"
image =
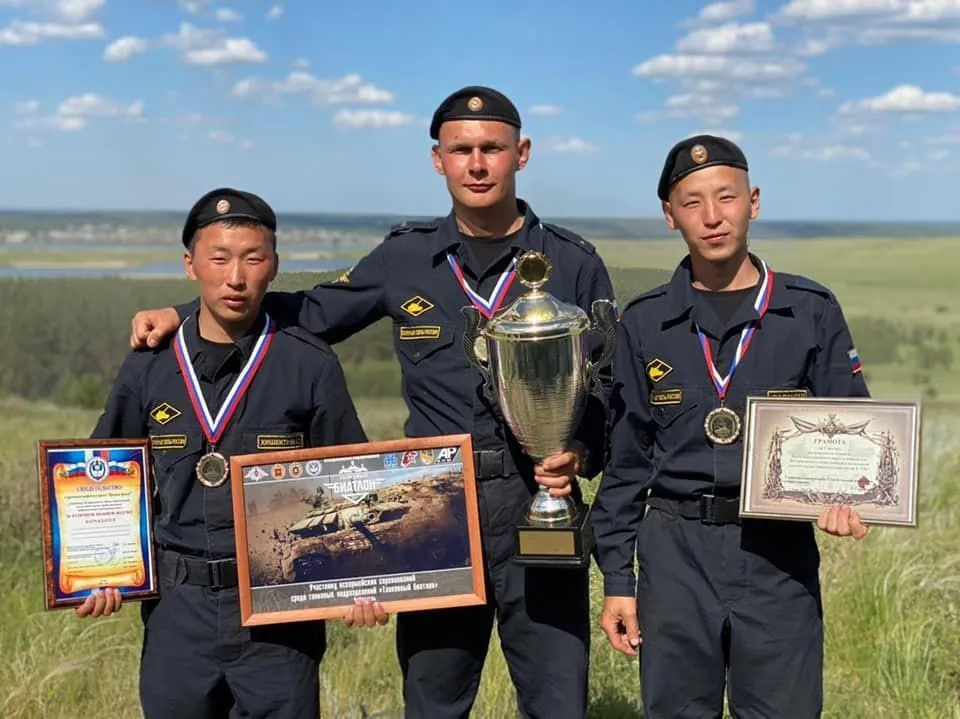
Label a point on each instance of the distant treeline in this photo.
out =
(65, 339)
(592, 228)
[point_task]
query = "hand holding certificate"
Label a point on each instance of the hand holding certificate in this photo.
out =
(805, 456)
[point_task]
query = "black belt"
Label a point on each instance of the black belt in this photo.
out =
(492, 463)
(708, 508)
(178, 568)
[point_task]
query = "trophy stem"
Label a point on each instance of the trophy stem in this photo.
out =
(547, 509)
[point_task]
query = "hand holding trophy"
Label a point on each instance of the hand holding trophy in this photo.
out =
(533, 358)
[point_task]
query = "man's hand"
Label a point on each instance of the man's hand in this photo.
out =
(101, 602)
(841, 521)
(559, 471)
(149, 327)
(365, 612)
(619, 622)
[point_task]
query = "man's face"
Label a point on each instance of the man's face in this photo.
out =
(712, 208)
(479, 159)
(233, 265)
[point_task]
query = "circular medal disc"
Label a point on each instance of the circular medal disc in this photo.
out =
(480, 348)
(722, 426)
(212, 469)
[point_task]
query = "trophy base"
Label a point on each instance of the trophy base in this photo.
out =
(562, 546)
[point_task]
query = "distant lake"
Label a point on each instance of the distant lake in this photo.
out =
(136, 261)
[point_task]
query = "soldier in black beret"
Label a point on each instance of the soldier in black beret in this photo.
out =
(720, 602)
(422, 276)
(232, 380)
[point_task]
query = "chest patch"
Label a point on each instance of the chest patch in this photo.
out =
(658, 369)
(420, 332)
(161, 442)
(280, 441)
(417, 306)
(666, 396)
(164, 412)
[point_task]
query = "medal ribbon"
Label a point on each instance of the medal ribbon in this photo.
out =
(490, 305)
(760, 304)
(214, 428)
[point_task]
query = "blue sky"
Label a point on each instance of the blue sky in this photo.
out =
(846, 109)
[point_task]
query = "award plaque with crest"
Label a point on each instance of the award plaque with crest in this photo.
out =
(96, 500)
(394, 520)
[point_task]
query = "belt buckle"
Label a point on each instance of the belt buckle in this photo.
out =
(217, 574)
(708, 513)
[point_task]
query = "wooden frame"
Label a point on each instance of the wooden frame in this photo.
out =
(390, 524)
(802, 455)
(96, 502)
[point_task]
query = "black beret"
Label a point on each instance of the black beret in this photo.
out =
(696, 153)
(474, 103)
(226, 203)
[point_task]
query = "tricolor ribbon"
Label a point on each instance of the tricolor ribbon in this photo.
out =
(488, 306)
(213, 428)
(760, 304)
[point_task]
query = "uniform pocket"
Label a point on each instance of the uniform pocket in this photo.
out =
(421, 341)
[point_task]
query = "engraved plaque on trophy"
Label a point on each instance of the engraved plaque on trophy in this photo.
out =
(533, 356)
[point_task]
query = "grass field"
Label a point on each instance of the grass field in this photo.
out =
(892, 602)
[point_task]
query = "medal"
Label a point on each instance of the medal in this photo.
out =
(722, 424)
(213, 469)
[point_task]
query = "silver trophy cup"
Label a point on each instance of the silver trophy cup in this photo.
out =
(533, 356)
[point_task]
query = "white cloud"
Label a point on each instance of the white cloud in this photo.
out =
(225, 14)
(33, 33)
(571, 145)
(702, 106)
(220, 136)
(301, 63)
(226, 138)
(728, 39)
(814, 10)
(124, 48)
(275, 12)
(211, 47)
(93, 105)
(70, 11)
(723, 11)
(26, 107)
(320, 91)
(905, 99)
(719, 66)
(371, 119)
(545, 110)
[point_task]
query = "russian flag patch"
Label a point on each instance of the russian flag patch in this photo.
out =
(854, 361)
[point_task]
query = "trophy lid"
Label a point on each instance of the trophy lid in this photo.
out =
(536, 314)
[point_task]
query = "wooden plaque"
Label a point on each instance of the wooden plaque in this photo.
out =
(396, 520)
(96, 500)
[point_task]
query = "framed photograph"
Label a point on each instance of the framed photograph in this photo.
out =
(802, 455)
(96, 500)
(395, 520)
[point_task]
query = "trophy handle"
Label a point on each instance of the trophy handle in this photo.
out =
(470, 334)
(604, 322)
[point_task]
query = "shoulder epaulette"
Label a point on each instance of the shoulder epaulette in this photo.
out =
(799, 282)
(658, 291)
(308, 337)
(407, 226)
(571, 237)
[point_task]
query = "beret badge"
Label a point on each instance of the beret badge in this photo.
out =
(698, 153)
(223, 207)
(475, 104)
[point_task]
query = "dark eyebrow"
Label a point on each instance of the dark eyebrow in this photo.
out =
(485, 145)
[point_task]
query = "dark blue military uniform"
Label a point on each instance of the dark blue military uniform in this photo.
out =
(714, 593)
(543, 615)
(197, 660)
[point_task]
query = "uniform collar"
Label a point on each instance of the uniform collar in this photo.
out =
(684, 299)
(244, 344)
(529, 236)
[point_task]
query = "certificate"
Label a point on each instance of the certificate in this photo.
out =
(395, 520)
(803, 455)
(96, 501)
